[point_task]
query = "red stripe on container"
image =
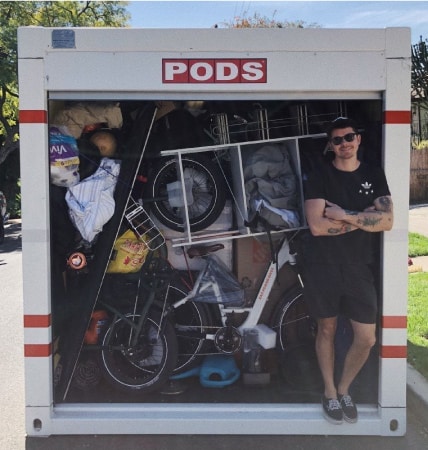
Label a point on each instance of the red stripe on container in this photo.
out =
(37, 350)
(33, 116)
(393, 351)
(37, 321)
(397, 117)
(394, 322)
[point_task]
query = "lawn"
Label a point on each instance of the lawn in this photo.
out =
(417, 309)
(418, 245)
(417, 322)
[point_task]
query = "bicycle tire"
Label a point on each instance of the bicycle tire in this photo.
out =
(292, 321)
(142, 368)
(190, 323)
(209, 195)
(296, 332)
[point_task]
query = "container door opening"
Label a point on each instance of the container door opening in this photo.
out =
(134, 185)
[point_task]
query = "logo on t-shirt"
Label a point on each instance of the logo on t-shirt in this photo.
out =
(366, 188)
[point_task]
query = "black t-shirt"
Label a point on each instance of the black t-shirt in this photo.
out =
(353, 191)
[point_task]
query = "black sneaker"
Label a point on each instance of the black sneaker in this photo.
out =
(350, 413)
(332, 410)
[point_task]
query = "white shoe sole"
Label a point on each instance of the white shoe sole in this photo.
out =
(331, 420)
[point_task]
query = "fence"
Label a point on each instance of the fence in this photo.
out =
(419, 176)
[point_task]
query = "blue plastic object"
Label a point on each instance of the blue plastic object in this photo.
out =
(190, 373)
(218, 371)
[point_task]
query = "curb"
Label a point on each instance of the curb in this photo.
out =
(417, 384)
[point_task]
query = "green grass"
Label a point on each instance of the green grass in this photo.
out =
(417, 309)
(417, 322)
(418, 245)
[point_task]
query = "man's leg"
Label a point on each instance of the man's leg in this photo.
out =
(325, 353)
(364, 340)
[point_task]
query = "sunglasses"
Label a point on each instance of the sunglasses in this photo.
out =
(337, 140)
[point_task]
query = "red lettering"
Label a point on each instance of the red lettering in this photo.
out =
(265, 283)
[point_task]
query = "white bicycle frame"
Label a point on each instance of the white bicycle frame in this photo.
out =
(255, 311)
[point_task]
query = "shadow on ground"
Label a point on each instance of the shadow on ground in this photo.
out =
(13, 239)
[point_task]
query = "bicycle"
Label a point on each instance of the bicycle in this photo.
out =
(165, 330)
(290, 321)
(136, 347)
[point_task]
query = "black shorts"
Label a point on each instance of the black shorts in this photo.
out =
(348, 289)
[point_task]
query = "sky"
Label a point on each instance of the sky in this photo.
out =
(327, 14)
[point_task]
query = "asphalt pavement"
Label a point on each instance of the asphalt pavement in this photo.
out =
(418, 223)
(12, 431)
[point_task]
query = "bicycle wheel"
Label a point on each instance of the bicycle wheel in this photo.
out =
(296, 332)
(209, 195)
(144, 366)
(291, 320)
(190, 323)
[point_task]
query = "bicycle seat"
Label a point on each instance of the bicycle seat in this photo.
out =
(203, 250)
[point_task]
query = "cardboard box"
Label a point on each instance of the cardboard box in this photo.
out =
(252, 257)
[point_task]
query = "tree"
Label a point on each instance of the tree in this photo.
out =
(258, 21)
(420, 73)
(49, 14)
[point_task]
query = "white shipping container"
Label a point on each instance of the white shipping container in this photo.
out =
(288, 83)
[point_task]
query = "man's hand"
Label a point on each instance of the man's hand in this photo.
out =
(320, 216)
(334, 212)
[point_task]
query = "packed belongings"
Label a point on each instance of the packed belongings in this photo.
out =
(91, 202)
(129, 253)
(216, 284)
(79, 116)
(271, 186)
(63, 157)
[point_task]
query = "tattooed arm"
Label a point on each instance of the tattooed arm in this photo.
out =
(320, 224)
(374, 219)
(327, 219)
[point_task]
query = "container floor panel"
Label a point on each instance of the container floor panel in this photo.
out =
(189, 390)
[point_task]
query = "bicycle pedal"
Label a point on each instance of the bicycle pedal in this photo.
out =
(173, 388)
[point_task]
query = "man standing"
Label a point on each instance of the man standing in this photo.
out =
(346, 201)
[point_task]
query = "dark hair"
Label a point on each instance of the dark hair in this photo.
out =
(342, 122)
